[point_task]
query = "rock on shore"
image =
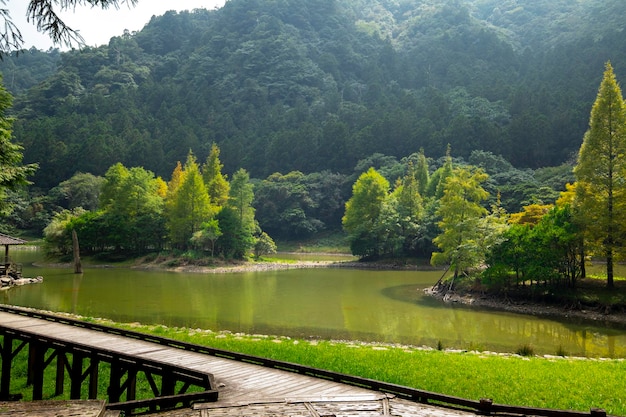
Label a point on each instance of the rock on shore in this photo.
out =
(7, 282)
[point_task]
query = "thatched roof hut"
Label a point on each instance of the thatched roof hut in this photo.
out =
(8, 241)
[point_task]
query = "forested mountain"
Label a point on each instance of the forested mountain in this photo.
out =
(313, 85)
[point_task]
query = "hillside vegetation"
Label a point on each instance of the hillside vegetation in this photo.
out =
(314, 85)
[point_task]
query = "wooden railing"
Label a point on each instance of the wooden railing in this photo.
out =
(81, 362)
(482, 406)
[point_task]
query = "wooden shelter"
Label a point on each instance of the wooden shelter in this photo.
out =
(8, 241)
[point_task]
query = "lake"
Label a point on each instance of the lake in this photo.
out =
(325, 303)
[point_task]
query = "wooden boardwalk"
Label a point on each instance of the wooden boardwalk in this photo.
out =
(244, 388)
(246, 385)
(235, 380)
(89, 408)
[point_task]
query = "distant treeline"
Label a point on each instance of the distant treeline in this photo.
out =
(319, 85)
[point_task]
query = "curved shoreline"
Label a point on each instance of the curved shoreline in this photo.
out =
(469, 300)
(531, 308)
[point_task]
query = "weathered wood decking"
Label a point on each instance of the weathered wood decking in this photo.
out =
(245, 388)
(237, 381)
(89, 408)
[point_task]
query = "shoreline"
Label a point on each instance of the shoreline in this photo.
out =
(469, 300)
(531, 308)
(256, 266)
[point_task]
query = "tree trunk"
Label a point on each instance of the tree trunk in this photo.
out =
(609, 269)
(78, 268)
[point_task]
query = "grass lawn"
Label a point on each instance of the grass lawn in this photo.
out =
(546, 382)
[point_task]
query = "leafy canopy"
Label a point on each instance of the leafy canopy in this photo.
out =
(461, 213)
(12, 173)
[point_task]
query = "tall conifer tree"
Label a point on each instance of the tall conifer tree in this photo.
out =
(421, 172)
(215, 181)
(190, 206)
(601, 172)
(237, 217)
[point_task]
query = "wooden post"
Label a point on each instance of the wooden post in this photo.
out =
(93, 378)
(78, 268)
(115, 382)
(168, 384)
(76, 375)
(131, 382)
(39, 353)
(7, 359)
(485, 405)
(31, 364)
(61, 359)
(168, 387)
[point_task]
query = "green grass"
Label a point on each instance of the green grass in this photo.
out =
(552, 382)
(322, 243)
(593, 291)
(276, 259)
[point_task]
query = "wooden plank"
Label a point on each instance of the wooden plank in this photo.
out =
(297, 388)
(133, 349)
(87, 408)
(198, 363)
(291, 400)
(14, 319)
(159, 401)
(318, 389)
(269, 382)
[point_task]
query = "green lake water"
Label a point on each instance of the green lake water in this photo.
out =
(328, 303)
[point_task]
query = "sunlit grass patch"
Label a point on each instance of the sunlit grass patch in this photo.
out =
(546, 382)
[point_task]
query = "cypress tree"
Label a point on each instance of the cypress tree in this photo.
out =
(601, 171)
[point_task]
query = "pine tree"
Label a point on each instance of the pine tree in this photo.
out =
(189, 207)
(115, 178)
(241, 198)
(601, 173)
(236, 219)
(421, 172)
(215, 181)
(409, 209)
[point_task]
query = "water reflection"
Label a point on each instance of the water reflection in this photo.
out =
(337, 303)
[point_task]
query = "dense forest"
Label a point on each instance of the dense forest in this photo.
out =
(320, 85)
(306, 96)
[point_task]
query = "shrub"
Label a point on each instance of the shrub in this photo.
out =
(525, 350)
(560, 351)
